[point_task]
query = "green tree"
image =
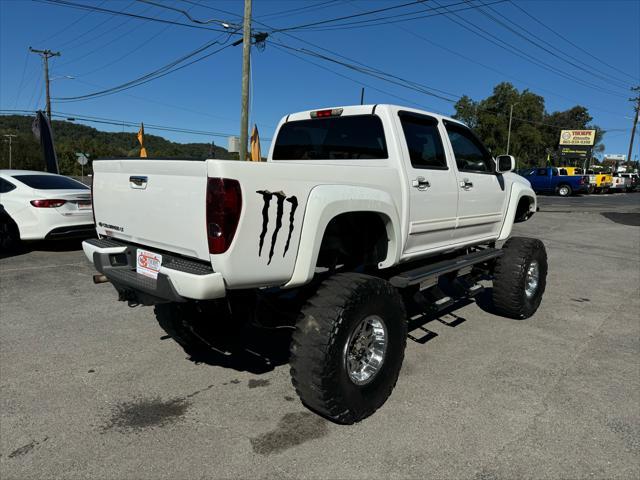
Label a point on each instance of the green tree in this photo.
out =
(534, 132)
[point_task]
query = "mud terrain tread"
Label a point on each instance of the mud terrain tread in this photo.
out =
(316, 335)
(510, 271)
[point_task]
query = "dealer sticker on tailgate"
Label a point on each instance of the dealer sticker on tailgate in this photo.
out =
(148, 263)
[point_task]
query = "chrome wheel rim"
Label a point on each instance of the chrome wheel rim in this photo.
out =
(532, 279)
(563, 191)
(365, 350)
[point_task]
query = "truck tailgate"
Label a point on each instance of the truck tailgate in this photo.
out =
(155, 203)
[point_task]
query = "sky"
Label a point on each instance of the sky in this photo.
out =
(100, 50)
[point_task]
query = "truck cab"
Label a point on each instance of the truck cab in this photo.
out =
(555, 180)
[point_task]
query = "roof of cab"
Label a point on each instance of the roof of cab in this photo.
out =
(367, 110)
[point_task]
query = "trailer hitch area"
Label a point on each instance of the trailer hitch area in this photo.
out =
(128, 296)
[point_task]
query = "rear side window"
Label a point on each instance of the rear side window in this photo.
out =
(355, 137)
(423, 141)
(471, 155)
(50, 182)
(5, 186)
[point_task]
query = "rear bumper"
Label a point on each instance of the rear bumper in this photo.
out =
(179, 280)
(72, 231)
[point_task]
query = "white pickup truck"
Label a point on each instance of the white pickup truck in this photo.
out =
(375, 208)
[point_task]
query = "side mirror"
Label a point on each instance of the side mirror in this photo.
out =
(505, 163)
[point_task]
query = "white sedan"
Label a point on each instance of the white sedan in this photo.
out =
(39, 205)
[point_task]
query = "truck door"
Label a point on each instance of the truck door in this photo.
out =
(433, 196)
(482, 192)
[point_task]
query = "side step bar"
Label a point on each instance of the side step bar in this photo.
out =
(430, 273)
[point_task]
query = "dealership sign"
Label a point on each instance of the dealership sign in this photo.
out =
(577, 137)
(579, 152)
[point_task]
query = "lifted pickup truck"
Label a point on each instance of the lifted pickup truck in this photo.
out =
(366, 210)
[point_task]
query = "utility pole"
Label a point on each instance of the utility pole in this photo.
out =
(246, 65)
(635, 120)
(46, 54)
(10, 136)
(509, 134)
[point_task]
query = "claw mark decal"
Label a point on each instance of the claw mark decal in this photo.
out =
(280, 199)
(294, 204)
(266, 196)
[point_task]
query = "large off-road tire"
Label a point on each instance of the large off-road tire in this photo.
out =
(520, 277)
(564, 190)
(348, 347)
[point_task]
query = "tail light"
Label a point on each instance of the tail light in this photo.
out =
(335, 112)
(224, 204)
(53, 203)
(582, 181)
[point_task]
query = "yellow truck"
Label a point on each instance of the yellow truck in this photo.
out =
(598, 182)
(603, 181)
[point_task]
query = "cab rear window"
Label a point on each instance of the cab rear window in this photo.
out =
(354, 137)
(50, 182)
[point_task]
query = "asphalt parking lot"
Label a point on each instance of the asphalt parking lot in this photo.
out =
(90, 390)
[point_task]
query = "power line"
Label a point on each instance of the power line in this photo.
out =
(542, 47)
(346, 17)
(408, 83)
(119, 123)
(109, 42)
(297, 10)
(188, 15)
(116, 12)
(424, 39)
(67, 27)
(24, 69)
(388, 20)
(407, 101)
(77, 39)
(431, 91)
(158, 73)
(558, 34)
(481, 32)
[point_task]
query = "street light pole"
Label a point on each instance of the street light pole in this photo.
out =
(46, 54)
(10, 136)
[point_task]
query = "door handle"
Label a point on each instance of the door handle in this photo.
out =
(420, 183)
(138, 182)
(466, 184)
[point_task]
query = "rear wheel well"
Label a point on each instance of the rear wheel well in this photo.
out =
(354, 239)
(523, 212)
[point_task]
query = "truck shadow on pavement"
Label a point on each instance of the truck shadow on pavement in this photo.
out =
(259, 346)
(253, 349)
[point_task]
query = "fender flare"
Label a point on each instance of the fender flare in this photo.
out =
(325, 202)
(518, 191)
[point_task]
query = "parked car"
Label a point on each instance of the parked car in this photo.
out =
(634, 179)
(549, 180)
(39, 205)
(603, 181)
(620, 184)
(577, 171)
(360, 211)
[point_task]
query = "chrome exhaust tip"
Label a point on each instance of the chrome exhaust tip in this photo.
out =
(100, 279)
